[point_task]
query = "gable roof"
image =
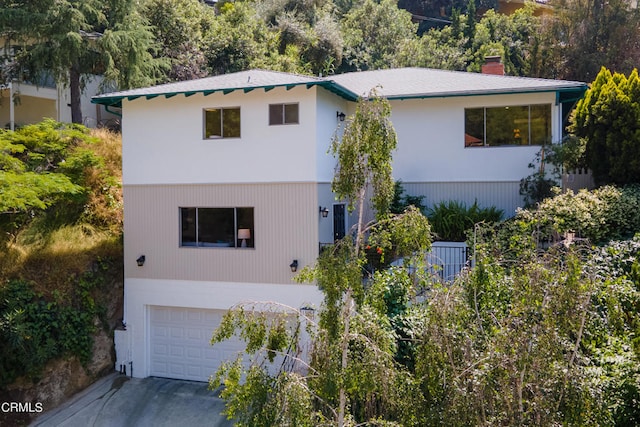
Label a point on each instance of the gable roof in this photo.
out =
(399, 83)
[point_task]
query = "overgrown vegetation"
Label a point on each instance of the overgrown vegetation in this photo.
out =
(538, 332)
(61, 225)
(452, 220)
(543, 329)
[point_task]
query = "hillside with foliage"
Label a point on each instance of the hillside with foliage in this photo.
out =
(61, 250)
(134, 44)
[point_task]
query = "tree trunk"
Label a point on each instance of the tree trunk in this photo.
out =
(74, 87)
(348, 302)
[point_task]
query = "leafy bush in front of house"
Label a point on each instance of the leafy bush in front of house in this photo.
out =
(402, 201)
(35, 329)
(547, 166)
(612, 333)
(451, 220)
(599, 215)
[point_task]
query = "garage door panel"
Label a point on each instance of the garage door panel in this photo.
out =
(195, 334)
(180, 343)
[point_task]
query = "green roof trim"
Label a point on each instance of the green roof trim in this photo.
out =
(116, 100)
(576, 93)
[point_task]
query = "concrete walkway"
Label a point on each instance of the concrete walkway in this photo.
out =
(120, 401)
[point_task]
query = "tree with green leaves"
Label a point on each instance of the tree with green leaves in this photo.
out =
(513, 37)
(29, 166)
(180, 28)
(240, 40)
(373, 32)
(608, 118)
(357, 370)
(584, 35)
(463, 45)
(72, 40)
(308, 27)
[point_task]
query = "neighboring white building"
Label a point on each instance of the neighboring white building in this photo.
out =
(225, 179)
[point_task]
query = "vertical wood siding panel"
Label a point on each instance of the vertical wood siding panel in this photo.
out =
(285, 228)
(503, 195)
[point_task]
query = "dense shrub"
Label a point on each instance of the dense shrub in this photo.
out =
(451, 220)
(600, 215)
(35, 329)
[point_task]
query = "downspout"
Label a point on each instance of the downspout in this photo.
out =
(12, 112)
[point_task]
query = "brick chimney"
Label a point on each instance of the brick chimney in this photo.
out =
(493, 65)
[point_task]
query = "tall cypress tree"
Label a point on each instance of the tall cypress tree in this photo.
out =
(608, 117)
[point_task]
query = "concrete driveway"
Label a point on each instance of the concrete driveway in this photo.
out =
(120, 401)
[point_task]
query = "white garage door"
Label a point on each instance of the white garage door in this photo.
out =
(180, 343)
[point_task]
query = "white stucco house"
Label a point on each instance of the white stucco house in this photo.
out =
(227, 184)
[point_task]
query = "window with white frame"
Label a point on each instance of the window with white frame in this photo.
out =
(217, 227)
(221, 123)
(283, 114)
(509, 125)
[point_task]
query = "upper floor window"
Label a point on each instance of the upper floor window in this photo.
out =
(217, 227)
(512, 125)
(222, 123)
(283, 114)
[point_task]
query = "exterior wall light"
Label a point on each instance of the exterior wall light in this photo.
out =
(140, 261)
(324, 212)
(294, 266)
(340, 115)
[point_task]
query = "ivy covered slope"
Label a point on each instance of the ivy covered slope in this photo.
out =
(61, 250)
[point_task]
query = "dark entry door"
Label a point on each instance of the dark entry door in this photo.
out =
(339, 221)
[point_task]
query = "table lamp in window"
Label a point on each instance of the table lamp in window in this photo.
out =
(243, 235)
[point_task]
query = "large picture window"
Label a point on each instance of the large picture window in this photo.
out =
(511, 125)
(217, 227)
(221, 123)
(283, 114)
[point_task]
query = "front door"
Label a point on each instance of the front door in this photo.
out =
(339, 221)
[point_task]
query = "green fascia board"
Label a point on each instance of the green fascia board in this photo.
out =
(116, 101)
(339, 90)
(576, 93)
